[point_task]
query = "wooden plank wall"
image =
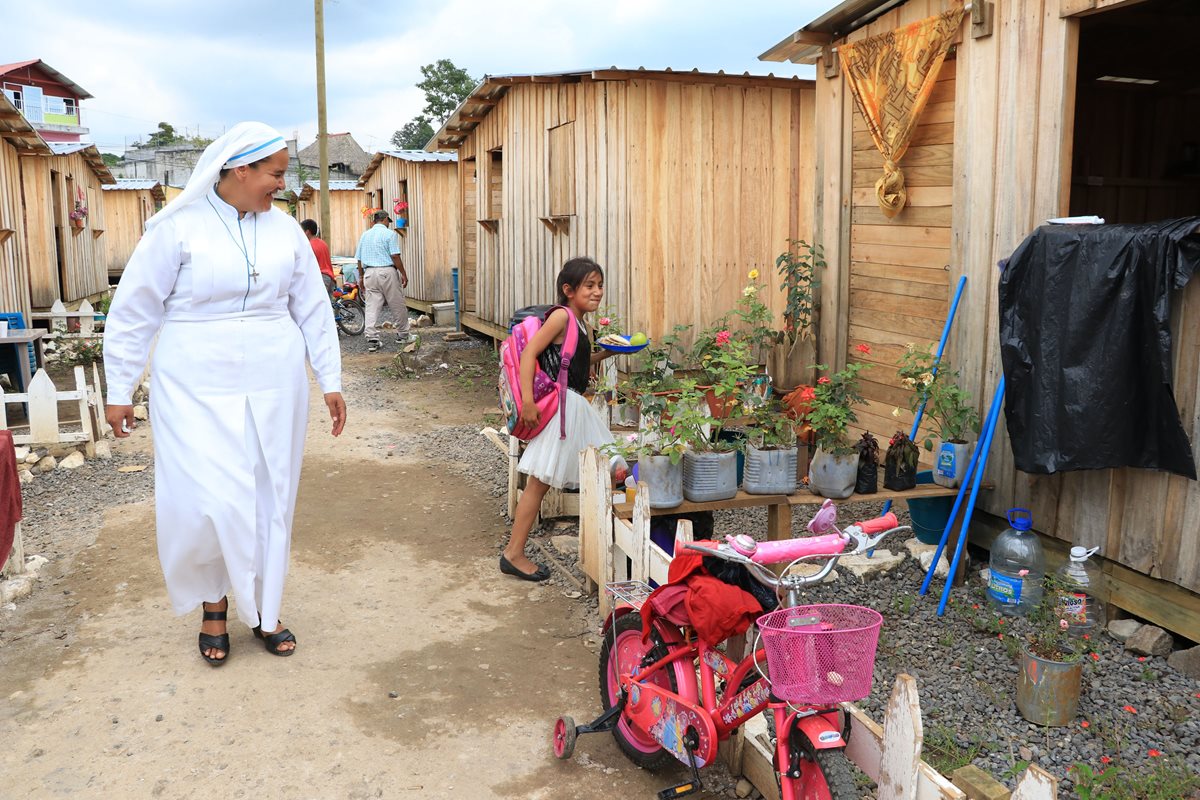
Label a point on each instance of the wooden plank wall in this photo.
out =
(345, 219)
(1013, 128)
(469, 201)
(679, 190)
(430, 246)
(127, 211)
(84, 249)
(899, 268)
(14, 263)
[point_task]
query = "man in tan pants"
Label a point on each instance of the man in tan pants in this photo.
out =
(384, 279)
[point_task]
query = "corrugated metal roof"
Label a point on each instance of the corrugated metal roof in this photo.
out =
(90, 154)
(132, 183)
(334, 186)
(805, 45)
(487, 94)
(420, 156)
(49, 70)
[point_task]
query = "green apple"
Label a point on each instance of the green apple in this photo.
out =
(638, 339)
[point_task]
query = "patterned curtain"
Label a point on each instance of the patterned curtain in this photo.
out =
(891, 77)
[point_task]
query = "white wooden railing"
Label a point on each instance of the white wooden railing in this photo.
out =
(58, 316)
(41, 399)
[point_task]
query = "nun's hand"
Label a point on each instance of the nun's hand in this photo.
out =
(121, 419)
(337, 411)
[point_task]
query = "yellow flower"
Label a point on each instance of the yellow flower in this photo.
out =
(910, 382)
(910, 347)
(750, 291)
(896, 411)
(927, 378)
(753, 274)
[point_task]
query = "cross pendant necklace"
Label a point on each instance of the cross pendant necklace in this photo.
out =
(254, 275)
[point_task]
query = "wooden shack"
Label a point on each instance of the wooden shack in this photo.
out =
(431, 237)
(68, 260)
(17, 139)
(345, 213)
(1043, 108)
(128, 204)
(678, 183)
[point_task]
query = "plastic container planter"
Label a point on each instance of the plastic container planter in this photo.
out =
(664, 478)
(770, 471)
(709, 476)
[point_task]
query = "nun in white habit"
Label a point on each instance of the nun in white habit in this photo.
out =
(230, 285)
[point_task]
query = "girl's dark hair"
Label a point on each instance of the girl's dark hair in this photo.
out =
(573, 274)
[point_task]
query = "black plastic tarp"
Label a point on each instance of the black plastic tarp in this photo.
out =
(1086, 344)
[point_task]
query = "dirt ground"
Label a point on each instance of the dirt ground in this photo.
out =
(393, 590)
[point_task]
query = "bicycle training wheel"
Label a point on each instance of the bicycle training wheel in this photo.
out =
(623, 649)
(824, 774)
(351, 319)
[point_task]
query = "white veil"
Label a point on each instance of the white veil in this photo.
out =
(243, 144)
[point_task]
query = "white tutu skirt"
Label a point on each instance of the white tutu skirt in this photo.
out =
(555, 461)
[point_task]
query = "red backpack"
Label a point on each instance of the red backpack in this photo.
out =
(548, 393)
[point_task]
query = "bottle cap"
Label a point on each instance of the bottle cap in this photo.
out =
(1082, 553)
(1020, 518)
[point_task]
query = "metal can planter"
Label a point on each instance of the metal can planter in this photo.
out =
(665, 480)
(950, 466)
(833, 476)
(770, 471)
(709, 476)
(1048, 691)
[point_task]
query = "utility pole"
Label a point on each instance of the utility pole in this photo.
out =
(322, 121)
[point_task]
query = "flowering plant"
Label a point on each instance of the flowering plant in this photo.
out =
(368, 212)
(1047, 635)
(773, 428)
(946, 405)
(399, 206)
(831, 411)
(80, 211)
(798, 268)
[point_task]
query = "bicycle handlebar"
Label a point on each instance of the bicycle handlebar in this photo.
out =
(755, 555)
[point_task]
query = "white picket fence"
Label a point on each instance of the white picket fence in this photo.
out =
(41, 400)
(58, 316)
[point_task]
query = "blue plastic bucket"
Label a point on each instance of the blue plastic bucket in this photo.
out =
(929, 516)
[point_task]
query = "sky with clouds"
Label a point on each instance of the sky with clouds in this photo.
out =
(206, 65)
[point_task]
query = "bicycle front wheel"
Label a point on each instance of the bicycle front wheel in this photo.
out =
(624, 649)
(351, 319)
(824, 774)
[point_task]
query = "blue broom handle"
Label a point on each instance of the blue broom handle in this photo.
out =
(962, 536)
(962, 282)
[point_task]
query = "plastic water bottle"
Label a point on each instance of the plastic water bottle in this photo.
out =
(1078, 605)
(1017, 566)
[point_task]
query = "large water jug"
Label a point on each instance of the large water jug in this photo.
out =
(1017, 566)
(1078, 604)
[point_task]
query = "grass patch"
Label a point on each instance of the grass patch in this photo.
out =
(943, 752)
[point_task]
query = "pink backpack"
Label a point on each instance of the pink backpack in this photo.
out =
(548, 393)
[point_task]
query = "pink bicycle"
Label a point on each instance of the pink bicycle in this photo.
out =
(817, 656)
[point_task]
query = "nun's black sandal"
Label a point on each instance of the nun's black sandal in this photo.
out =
(272, 640)
(209, 641)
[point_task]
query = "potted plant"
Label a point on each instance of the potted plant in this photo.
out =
(771, 451)
(79, 214)
(1050, 668)
(658, 453)
(900, 463)
(710, 462)
(792, 355)
(947, 407)
(867, 481)
(834, 466)
(400, 208)
(724, 360)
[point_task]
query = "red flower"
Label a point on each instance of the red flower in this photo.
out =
(1130, 709)
(808, 394)
(864, 348)
(823, 379)
(1095, 656)
(975, 605)
(1141, 658)
(1085, 724)
(999, 635)
(1153, 753)
(1105, 760)
(722, 338)
(1086, 637)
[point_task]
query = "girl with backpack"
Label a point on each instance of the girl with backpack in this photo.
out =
(550, 460)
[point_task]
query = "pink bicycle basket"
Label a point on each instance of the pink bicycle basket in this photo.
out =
(821, 654)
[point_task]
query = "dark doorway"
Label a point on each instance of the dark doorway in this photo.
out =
(1136, 154)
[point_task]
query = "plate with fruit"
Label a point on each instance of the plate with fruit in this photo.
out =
(623, 344)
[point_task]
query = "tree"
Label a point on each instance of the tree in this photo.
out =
(165, 135)
(414, 135)
(445, 87)
(112, 159)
